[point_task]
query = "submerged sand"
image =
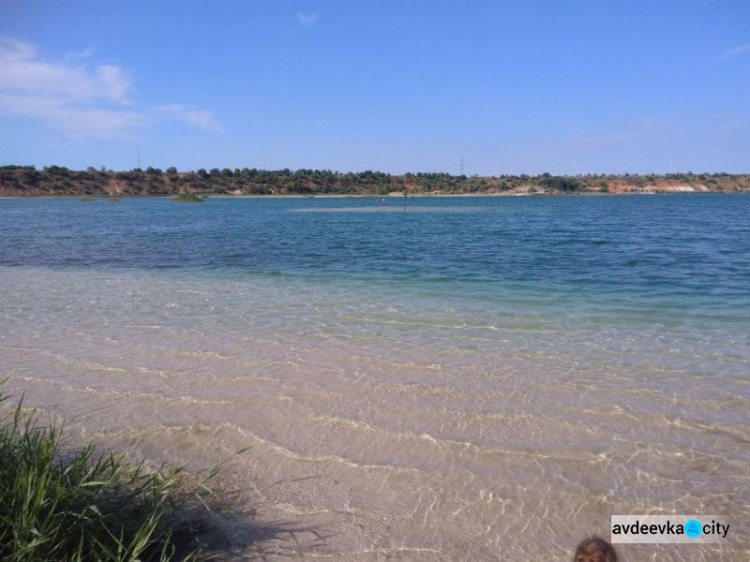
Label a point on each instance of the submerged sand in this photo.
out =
(409, 429)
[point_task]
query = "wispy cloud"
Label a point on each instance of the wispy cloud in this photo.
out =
(733, 52)
(197, 117)
(78, 99)
(72, 119)
(594, 142)
(618, 135)
(306, 20)
(622, 137)
(733, 125)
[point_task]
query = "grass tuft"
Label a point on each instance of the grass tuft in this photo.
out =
(189, 198)
(81, 505)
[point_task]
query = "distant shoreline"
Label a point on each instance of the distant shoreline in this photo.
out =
(367, 196)
(55, 181)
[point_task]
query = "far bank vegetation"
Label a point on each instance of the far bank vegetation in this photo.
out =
(22, 181)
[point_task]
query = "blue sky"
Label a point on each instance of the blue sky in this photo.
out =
(394, 85)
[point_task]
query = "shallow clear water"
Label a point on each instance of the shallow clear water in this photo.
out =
(466, 379)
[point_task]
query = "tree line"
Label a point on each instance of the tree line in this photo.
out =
(28, 180)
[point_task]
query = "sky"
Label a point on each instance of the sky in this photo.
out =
(509, 86)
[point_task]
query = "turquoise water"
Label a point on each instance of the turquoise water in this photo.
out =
(659, 248)
(472, 378)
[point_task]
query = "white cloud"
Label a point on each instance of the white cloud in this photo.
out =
(74, 120)
(22, 70)
(197, 117)
(78, 99)
(306, 20)
(734, 51)
(114, 81)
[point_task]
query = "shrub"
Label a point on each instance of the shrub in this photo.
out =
(189, 198)
(560, 183)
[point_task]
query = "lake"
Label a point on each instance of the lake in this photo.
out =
(465, 378)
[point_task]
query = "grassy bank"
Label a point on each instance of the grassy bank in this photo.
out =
(78, 504)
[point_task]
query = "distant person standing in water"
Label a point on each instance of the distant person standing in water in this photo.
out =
(595, 550)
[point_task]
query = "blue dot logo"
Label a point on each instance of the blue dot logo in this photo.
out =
(693, 528)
